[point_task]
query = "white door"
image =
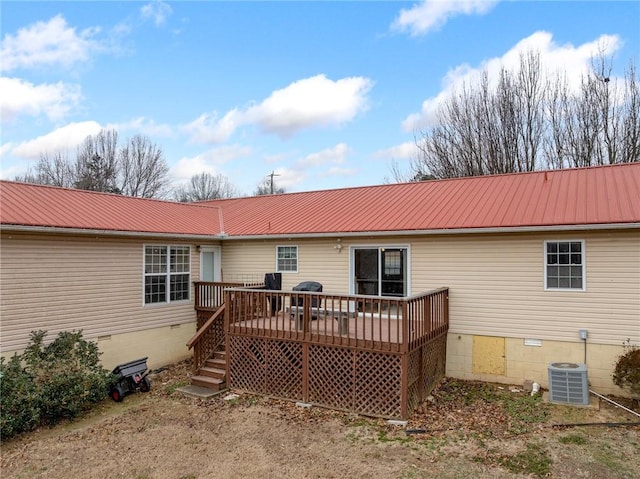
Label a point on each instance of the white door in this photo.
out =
(210, 264)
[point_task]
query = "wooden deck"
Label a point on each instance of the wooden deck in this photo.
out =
(326, 328)
(378, 356)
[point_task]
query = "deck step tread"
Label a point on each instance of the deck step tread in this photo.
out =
(216, 363)
(208, 382)
(212, 372)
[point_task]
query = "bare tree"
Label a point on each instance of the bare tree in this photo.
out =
(205, 186)
(136, 169)
(526, 122)
(53, 170)
(142, 171)
(600, 124)
(413, 175)
(97, 162)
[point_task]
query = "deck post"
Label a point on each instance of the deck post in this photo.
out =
(227, 323)
(305, 371)
(404, 385)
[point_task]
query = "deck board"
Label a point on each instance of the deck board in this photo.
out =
(363, 327)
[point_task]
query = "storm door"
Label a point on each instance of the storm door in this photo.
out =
(210, 269)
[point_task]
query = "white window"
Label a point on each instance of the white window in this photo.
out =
(167, 275)
(287, 259)
(564, 265)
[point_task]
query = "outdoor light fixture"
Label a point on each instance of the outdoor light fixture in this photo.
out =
(338, 246)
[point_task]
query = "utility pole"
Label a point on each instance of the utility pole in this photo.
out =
(272, 174)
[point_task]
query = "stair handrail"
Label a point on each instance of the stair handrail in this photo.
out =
(203, 329)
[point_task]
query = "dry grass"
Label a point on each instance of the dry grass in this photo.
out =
(467, 429)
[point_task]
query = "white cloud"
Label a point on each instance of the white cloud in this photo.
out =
(158, 11)
(404, 151)
(208, 161)
(19, 97)
(6, 148)
(315, 101)
(60, 140)
(209, 130)
(311, 102)
(12, 171)
(289, 179)
(572, 61)
(143, 126)
(430, 15)
(337, 171)
(48, 43)
(275, 158)
(335, 155)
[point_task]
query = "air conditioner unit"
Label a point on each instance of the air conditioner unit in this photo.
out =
(568, 383)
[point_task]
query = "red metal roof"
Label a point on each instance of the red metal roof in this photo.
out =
(45, 206)
(572, 197)
(586, 196)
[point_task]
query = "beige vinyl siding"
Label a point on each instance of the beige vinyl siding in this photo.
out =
(497, 286)
(317, 261)
(58, 283)
(496, 281)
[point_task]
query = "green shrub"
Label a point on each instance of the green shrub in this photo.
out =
(50, 382)
(19, 399)
(626, 374)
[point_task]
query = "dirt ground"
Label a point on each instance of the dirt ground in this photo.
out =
(464, 430)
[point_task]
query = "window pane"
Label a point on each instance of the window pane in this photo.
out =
(180, 259)
(155, 259)
(155, 289)
(568, 254)
(287, 258)
(160, 286)
(179, 287)
(392, 263)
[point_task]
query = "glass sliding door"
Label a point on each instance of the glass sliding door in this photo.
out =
(366, 269)
(380, 271)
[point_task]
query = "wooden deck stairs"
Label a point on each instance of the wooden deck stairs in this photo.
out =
(213, 373)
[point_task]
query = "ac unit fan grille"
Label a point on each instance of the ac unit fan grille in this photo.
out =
(568, 383)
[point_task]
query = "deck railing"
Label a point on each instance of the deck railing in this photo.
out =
(366, 322)
(209, 302)
(210, 295)
(209, 337)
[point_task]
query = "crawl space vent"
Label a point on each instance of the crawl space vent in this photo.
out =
(568, 383)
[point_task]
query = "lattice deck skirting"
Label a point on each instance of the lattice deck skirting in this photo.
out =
(349, 379)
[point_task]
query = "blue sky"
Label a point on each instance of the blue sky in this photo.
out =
(324, 94)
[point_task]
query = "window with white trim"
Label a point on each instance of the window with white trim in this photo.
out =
(287, 259)
(167, 274)
(564, 265)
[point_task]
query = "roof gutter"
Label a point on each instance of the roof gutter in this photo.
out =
(110, 233)
(434, 232)
(226, 237)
